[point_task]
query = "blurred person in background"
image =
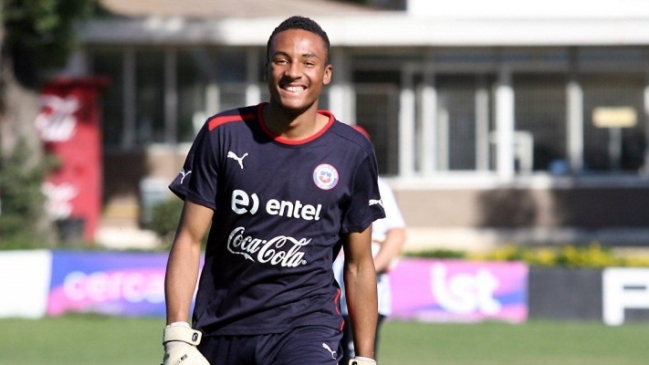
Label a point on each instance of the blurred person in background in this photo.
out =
(388, 238)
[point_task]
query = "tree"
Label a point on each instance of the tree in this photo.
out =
(383, 4)
(36, 38)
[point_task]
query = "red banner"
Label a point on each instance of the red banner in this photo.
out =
(69, 126)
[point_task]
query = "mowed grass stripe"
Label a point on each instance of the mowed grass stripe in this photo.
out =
(81, 340)
(532, 343)
(98, 340)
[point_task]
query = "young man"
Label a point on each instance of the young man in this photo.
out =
(283, 186)
(388, 238)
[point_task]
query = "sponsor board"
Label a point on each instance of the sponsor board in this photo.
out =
(624, 289)
(130, 284)
(459, 291)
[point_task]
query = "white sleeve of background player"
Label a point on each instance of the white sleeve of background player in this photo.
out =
(393, 217)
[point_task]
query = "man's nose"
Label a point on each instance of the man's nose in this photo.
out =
(294, 70)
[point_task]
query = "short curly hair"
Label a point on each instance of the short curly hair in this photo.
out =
(304, 23)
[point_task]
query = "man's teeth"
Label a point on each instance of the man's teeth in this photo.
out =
(295, 89)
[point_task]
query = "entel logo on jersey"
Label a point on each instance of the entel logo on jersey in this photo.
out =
(243, 203)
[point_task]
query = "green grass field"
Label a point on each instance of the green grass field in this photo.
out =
(95, 340)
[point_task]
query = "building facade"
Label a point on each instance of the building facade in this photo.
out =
(493, 123)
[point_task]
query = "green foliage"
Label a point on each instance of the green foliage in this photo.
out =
(438, 254)
(165, 217)
(22, 200)
(164, 220)
(593, 255)
(40, 34)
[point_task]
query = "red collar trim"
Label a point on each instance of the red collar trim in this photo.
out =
(294, 142)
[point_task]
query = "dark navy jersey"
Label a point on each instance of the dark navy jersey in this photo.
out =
(280, 210)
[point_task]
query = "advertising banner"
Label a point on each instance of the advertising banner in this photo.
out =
(24, 283)
(111, 283)
(625, 292)
(132, 284)
(69, 126)
(459, 291)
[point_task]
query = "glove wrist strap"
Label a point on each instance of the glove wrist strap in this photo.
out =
(360, 360)
(183, 334)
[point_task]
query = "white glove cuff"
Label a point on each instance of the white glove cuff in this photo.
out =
(360, 360)
(178, 332)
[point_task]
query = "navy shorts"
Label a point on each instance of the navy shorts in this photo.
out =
(313, 345)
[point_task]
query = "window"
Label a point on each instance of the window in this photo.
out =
(196, 71)
(613, 149)
(149, 96)
(110, 63)
(540, 110)
(456, 122)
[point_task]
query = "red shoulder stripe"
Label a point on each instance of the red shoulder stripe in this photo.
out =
(222, 119)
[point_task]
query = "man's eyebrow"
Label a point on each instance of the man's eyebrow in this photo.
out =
(307, 54)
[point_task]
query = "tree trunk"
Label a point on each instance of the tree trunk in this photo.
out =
(19, 106)
(18, 114)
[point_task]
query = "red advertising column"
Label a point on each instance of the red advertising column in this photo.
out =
(70, 127)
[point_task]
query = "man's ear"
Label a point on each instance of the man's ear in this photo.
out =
(265, 71)
(328, 74)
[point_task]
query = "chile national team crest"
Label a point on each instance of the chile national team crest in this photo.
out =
(325, 176)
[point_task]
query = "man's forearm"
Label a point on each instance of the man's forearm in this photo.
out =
(180, 282)
(363, 309)
(390, 249)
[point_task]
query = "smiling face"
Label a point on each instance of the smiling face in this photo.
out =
(297, 70)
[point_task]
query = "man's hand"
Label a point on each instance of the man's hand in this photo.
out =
(180, 342)
(358, 360)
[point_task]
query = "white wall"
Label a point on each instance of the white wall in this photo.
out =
(517, 9)
(25, 283)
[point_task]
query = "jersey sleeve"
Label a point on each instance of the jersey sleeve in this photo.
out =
(393, 216)
(180, 183)
(365, 206)
(197, 180)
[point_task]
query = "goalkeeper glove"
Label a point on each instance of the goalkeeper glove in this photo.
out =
(359, 360)
(180, 342)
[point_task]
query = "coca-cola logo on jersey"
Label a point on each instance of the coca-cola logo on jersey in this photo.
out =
(56, 121)
(281, 251)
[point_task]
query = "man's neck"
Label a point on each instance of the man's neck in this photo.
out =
(293, 126)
